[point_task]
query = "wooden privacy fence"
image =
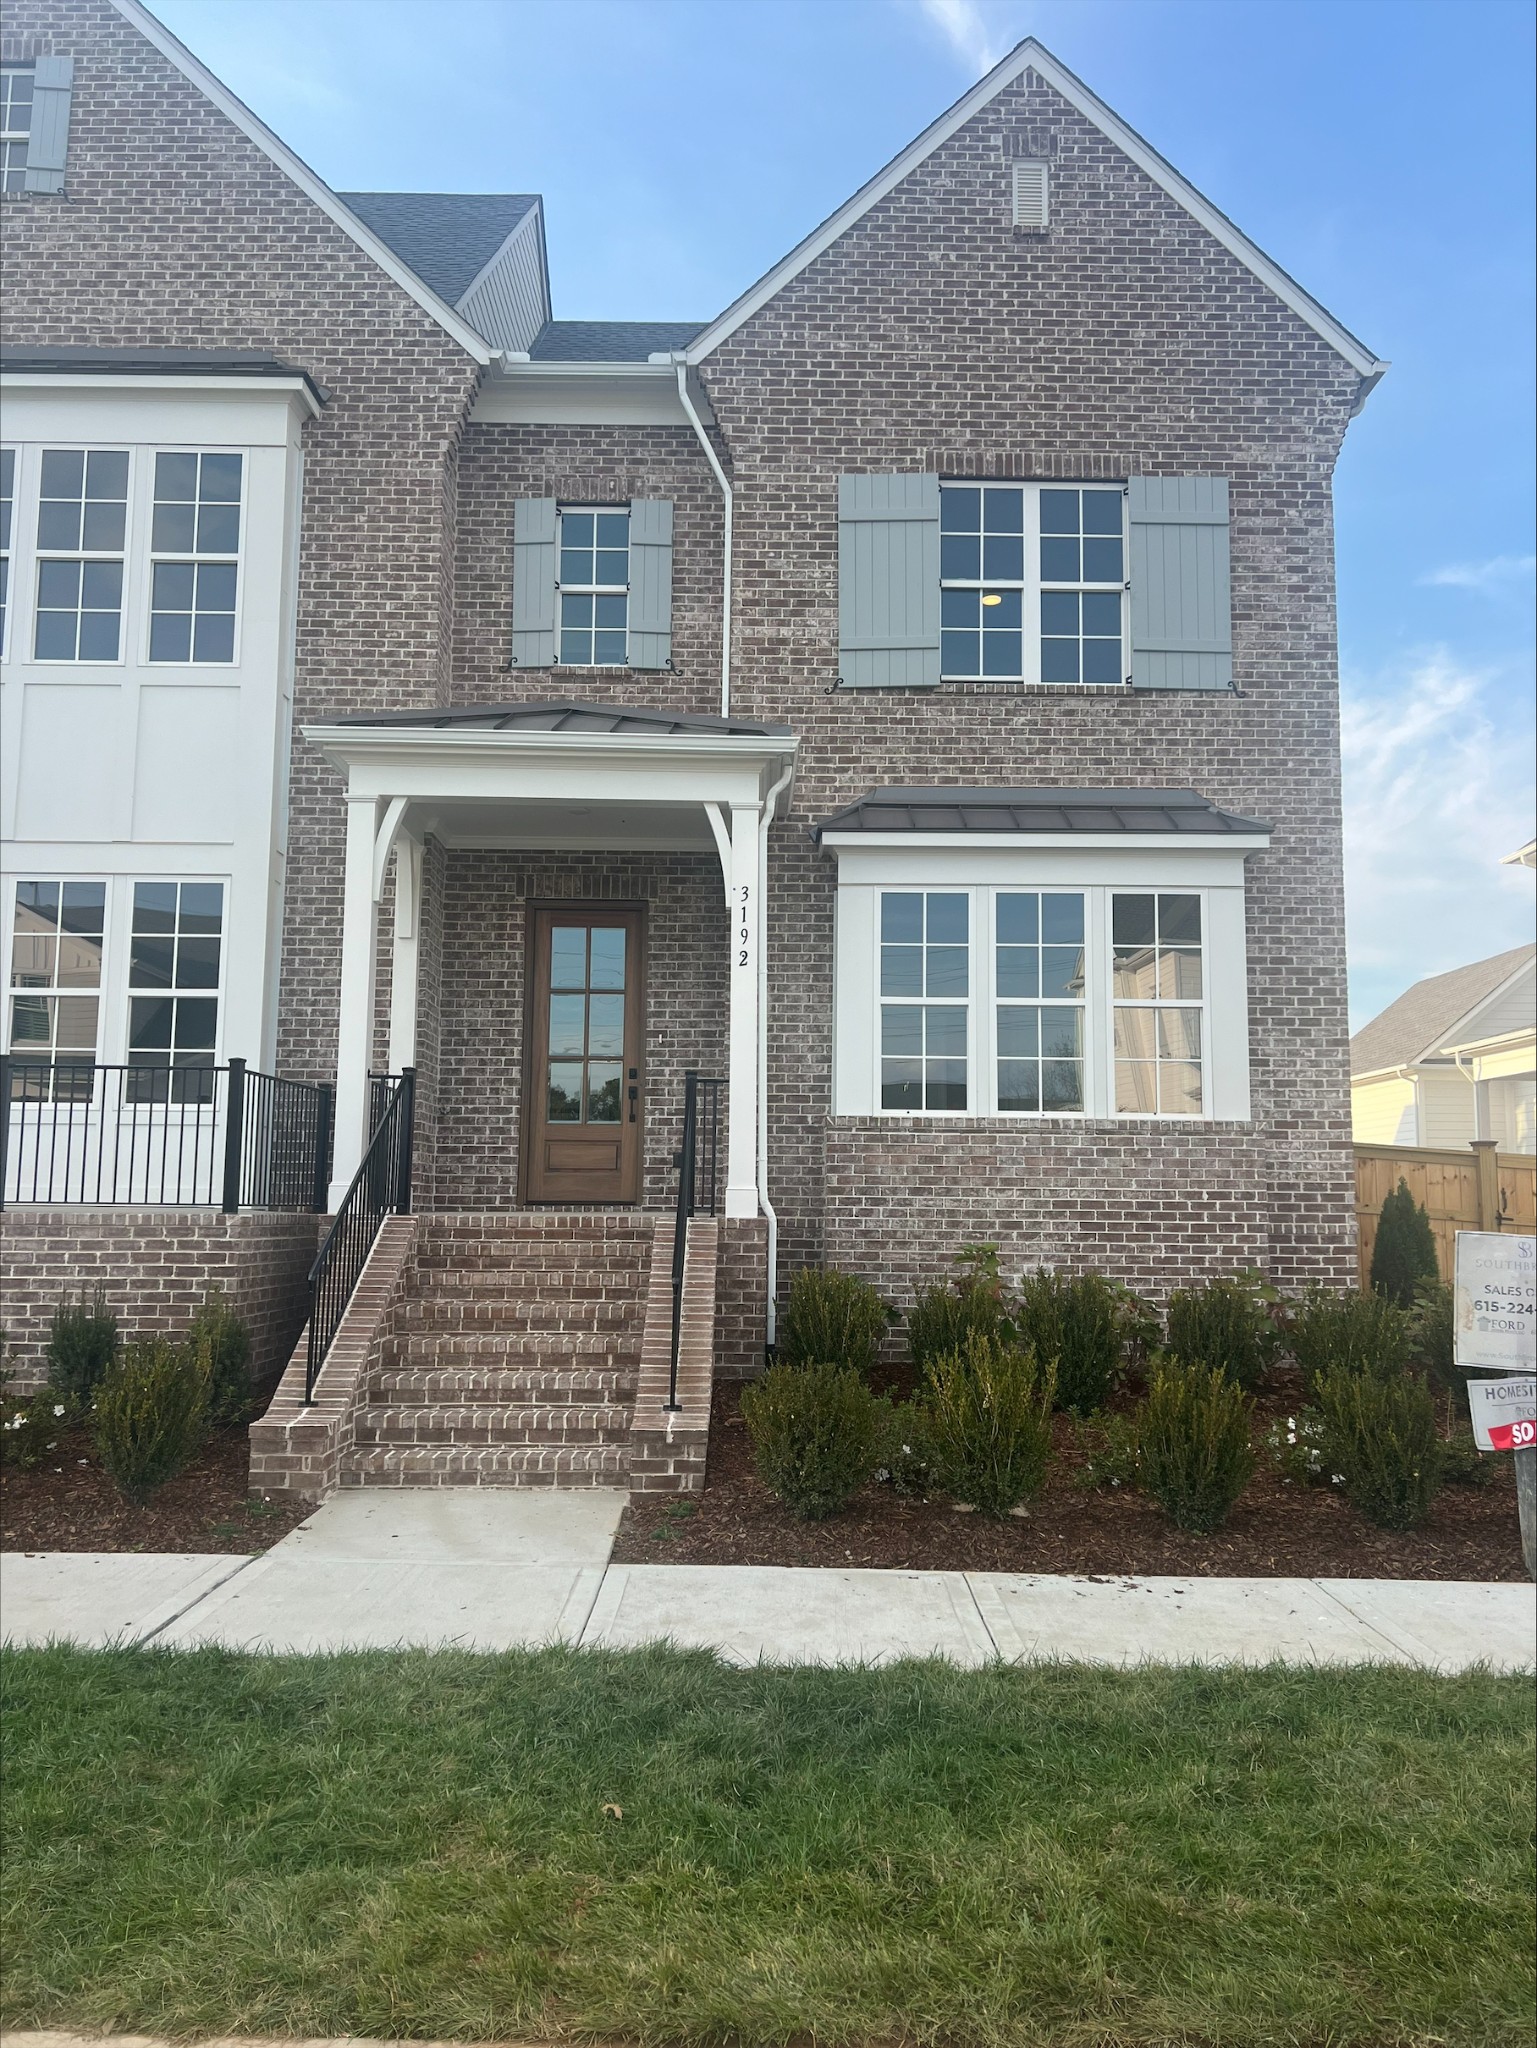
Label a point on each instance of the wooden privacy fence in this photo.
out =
(1480, 1189)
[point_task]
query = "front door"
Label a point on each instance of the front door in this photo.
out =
(582, 1119)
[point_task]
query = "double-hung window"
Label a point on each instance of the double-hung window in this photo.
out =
(925, 983)
(15, 126)
(195, 551)
(593, 586)
(82, 518)
(173, 988)
(1033, 581)
(1159, 982)
(55, 991)
(1040, 980)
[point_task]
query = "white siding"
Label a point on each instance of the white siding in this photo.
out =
(1513, 1112)
(1514, 1009)
(1383, 1113)
(509, 302)
(1446, 1108)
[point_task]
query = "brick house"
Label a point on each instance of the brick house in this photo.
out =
(908, 698)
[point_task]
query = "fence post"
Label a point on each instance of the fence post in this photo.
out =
(321, 1172)
(1484, 1149)
(407, 1138)
(234, 1135)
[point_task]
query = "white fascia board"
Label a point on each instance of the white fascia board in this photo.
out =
(290, 388)
(1446, 1042)
(344, 740)
(1033, 56)
(312, 186)
(602, 394)
(1023, 842)
(1507, 1041)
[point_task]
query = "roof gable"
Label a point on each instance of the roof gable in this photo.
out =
(447, 238)
(1031, 55)
(312, 186)
(1425, 1015)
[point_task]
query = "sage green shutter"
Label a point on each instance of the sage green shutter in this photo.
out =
(650, 582)
(1181, 583)
(533, 583)
(888, 580)
(48, 143)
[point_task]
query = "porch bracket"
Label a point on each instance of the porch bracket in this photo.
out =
(385, 839)
(722, 846)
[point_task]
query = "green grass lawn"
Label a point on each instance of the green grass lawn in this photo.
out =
(410, 1844)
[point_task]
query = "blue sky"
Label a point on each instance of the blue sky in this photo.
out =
(1381, 150)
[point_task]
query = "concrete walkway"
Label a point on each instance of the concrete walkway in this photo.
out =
(490, 1569)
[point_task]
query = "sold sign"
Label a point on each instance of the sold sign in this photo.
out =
(1504, 1414)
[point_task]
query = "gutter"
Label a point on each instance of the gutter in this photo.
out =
(728, 501)
(1470, 1075)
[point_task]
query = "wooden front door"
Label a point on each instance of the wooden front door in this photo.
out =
(583, 1114)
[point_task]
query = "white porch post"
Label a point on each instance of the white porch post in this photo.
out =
(408, 910)
(746, 938)
(355, 1014)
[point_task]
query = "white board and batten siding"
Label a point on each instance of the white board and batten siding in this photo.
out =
(129, 769)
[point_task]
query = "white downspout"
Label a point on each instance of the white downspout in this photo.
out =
(728, 500)
(1471, 1076)
(771, 804)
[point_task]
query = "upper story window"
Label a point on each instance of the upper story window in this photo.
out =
(7, 495)
(594, 587)
(1032, 583)
(15, 125)
(122, 551)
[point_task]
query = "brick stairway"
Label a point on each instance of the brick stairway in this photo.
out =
(512, 1357)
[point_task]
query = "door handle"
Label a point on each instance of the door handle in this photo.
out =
(634, 1094)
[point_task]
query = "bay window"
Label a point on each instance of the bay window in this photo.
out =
(925, 979)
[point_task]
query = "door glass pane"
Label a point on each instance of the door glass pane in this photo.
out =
(605, 1027)
(568, 956)
(607, 956)
(603, 1082)
(565, 1104)
(567, 1015)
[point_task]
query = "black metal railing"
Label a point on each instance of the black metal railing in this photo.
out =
(188, 1137)
(381, 1187)
(698, 1162)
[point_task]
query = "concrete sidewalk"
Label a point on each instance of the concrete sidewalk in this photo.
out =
(489, 1570)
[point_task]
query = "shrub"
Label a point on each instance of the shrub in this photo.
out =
(1348, 1332)
(1433, 1340)
(1380, 1437)
(910, 1461)
(1462, 1462)
(151, 1414)
(230, 1399)
(942, 1318)
(1225, 1325)
(1083, 1323)
(833, 1315)
(29, 1423)
(1110, 1451)
(1404, 1252)
(1194, 1436)
(1298, 1449)
(818, 1433)
(990, 1420)
(82, 1346)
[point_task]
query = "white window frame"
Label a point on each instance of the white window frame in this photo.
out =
(8, 551)
(1080, 1003)
(594, 590)
(9, 133)
(1032, 585)
(1200, 1005)
(967, 1003)
(132, 991)
(154, 558)
(52, 1057)
(40, 555)
(1214, 875)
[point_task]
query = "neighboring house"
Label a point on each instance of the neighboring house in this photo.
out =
(1454, 1059)
(909, 696)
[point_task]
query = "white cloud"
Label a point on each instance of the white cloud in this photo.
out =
(1496, 574)
(1438, 786)
(964, 26)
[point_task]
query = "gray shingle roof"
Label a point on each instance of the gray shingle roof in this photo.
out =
(961, 809)
(1422, 1016)
(445, 237)
(151, 362)
(611, 341)
(566, 715)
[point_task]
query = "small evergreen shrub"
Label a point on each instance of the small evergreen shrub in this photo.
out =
(1110, 1451)
(817, 1433)
(1348, 1332)
(231, 1396)
(1082, 1322)
(1404, 1252)
(1194, 1436)
(1380, 1437)
(1297, 1448)
(990, 1420)
(1225, 1325)
(1432, 1336)
(151, 1414)
(29, 1423)
(1463, 1463)
(942, 1318)
(910, 1466)
(833, 1315)
(82, 1346)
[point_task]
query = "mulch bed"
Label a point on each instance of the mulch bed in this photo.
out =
(69, 1503)
(1277, 1530)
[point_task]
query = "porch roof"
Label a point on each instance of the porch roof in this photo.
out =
(963, 809)
(567, 715)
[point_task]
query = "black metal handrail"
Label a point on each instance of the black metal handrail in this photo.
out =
(188, 1137)
(381, 1187)
(698, 1164)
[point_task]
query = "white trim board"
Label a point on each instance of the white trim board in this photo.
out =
(313, 187)
(1031, 55)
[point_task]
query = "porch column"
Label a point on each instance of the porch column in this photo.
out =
(403, 970)
(355, 1011)
(746, 937)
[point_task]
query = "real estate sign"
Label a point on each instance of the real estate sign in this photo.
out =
(1496, 1301)
(1504, 1414)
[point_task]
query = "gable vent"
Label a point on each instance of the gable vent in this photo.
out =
(1030, 196)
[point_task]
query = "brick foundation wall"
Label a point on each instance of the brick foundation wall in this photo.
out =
(741, 1297)
(155, 1267)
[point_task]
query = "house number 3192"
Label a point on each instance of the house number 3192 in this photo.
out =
(743, 930)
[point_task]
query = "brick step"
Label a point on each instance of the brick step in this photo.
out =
(440, 1313)
(487, 1465)
(467, 1386)
(560, 1255)
(549, 1349)
(488, 1423)
(582, 1286)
